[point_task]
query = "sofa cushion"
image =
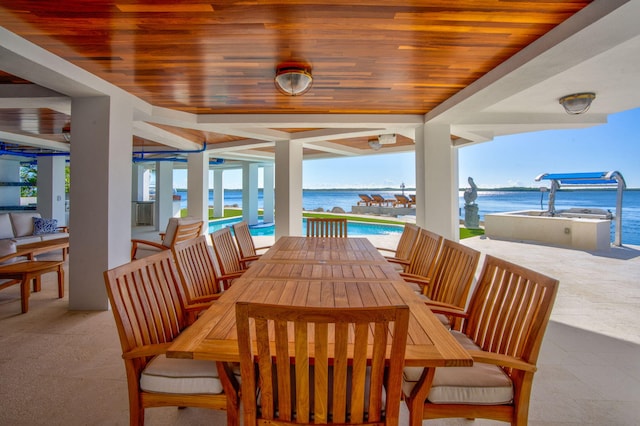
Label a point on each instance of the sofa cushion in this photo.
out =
(54, 236)
(183, 376)
(6, 229)
(23, 223)
(481, 384)
(44, 226)
(7, 247)
(27, 239)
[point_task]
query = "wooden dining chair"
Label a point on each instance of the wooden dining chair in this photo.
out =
(246, 247)
(178, 230)
(326, 227)
(402, 253)
(451, 279)
(502, 330)
(423, 259)
(199, 273)
(321, 365)
(146, 303)
(231, 267)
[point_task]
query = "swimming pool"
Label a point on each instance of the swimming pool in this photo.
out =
(354, 228)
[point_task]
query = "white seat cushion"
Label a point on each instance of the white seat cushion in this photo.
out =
(482, 384)
(181, 376)
(6, 229)
(23, 223)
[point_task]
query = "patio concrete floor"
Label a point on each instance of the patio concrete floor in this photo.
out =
(60, 367)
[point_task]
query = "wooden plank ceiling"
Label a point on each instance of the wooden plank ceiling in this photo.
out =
(219, 57)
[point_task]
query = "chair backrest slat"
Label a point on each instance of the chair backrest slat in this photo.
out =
(226, 251)
(246, 247)
(424, 254)
(510, 308)
(453, 274)
(198, 269)
(146, 299)
(327, 227)
(407, 241)
(355, 350)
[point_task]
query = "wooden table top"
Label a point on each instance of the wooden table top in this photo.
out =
(28, 267)
(333, 272)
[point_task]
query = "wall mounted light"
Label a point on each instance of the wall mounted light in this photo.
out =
(293, 79)
(578, 103)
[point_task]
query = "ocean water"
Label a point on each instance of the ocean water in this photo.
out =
(488, 202)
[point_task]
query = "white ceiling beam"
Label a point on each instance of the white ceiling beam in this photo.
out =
(560, 49)
(333, 148)
(223, 147)
(156, 134)
(33, 96)
(33, 141)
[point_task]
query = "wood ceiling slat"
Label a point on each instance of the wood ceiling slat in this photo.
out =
(402, 57)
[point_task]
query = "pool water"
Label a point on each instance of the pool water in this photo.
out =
(354, 228)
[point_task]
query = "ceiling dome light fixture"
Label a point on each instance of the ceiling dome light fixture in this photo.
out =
(578, 103)
(374, 144)
(293, 79)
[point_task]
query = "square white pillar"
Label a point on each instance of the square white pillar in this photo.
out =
(288, 183)
(218, 193)
(250, 193)
(198, 186)
(51, 195)
(437, 181)
(164, 194)
(268, 193)
(100, 216)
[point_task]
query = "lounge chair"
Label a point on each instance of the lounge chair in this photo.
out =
(178, 230)
(402, 200)
(365, 200)
(381, 201)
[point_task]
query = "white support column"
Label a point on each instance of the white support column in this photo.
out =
(100, 217)
(250, 193)
(268, 193)
(137, 182)
(218, 193)
(198, 186)
(9, 172)
(164, 194)
(421, 177)
(51, 196)
(439, 181)
(288, 182)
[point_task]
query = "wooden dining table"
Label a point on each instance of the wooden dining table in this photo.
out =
(326, 272)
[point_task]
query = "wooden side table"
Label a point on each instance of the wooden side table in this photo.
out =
(25, 272)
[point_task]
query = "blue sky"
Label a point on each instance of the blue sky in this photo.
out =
(506, 161)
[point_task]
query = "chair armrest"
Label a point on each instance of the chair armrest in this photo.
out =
(447, 310)
(150, 243)
(63, 229)
(10, 256)
(423, 282)
(435, 305)
(263, 248)
(386, 249)
(249, 259)
(502, 360)
(147, 350)
(402, 262)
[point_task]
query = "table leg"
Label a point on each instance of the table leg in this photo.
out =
(60, 282)
(25, 291)
(37, 284)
